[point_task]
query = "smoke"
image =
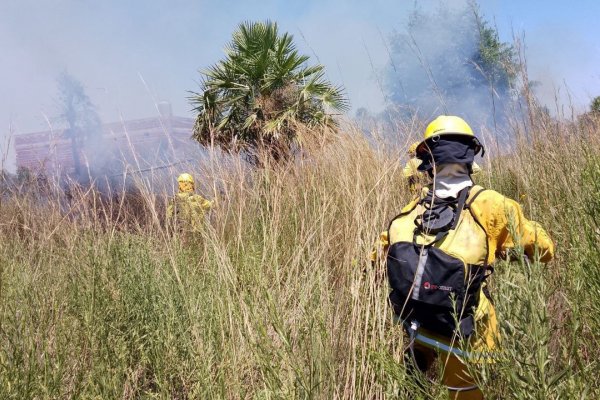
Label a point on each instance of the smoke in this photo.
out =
(437, 67)
(131, 55)
(566, 67)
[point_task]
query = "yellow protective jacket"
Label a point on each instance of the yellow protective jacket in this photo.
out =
(416, 179)
(483, 233)
(188, 210)
(411, 168)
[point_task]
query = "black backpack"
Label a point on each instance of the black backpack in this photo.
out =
(430, 287)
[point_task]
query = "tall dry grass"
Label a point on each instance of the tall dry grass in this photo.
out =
(276, 297)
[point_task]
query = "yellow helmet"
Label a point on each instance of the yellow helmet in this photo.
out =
(186, 183)
(185, 177)
(447, 125)
(412, 150)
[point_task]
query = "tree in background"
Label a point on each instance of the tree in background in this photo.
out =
(79, 115)
(495, 60)
(595, 105)
(261, 95)
(449, 61)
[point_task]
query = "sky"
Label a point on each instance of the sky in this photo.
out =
(132, 54)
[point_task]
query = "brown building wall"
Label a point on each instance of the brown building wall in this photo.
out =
(144, 142)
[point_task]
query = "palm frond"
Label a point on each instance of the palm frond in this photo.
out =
(262, 90)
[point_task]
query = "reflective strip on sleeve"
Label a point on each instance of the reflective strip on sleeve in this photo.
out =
(441, 346)
(448, 349)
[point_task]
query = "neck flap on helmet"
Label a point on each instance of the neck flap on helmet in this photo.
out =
(449, 149)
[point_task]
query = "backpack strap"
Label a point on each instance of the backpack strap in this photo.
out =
(462, 198)
(478, 191)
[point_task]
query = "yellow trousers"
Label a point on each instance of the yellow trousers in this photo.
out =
(455, 374)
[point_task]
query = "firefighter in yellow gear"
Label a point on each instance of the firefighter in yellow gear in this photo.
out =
(455, 229)
(187, 210)
(416, 179)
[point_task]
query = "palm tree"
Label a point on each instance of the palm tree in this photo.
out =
(259, 96)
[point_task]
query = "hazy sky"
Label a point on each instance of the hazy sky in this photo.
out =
(130, 54)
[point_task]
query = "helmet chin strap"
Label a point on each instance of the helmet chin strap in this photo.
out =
(450, 179)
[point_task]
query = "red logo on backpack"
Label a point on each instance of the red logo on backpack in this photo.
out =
(432, 286)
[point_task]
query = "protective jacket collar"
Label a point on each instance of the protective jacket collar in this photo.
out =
(450, 179)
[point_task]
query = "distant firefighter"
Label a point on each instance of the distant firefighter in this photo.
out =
(416, 179)
(187, 210)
